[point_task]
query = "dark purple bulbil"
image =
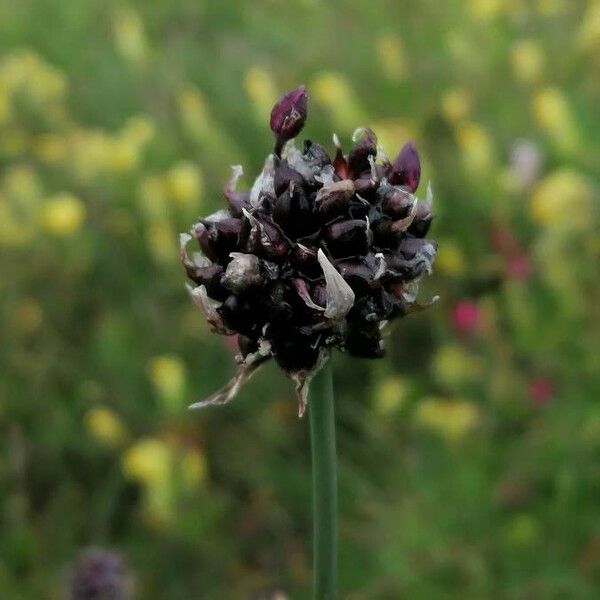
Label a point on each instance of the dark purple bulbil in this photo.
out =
(322, 252)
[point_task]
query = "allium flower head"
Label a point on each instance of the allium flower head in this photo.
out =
(100, 575)
(322, 252)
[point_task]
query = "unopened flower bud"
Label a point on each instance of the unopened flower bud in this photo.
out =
(286, 176)
(288, 116)
(364, 340)
(396, 202)
(347, 238)
(293, 212)
(210, 277)
(406, 169)
(365, 146)
(333, 199)
(222, 236)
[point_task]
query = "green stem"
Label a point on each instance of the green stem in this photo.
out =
(322, 434)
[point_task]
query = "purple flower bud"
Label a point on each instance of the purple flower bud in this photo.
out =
(421, 222)
(261, 237)
(210, 277)
(304, 260)
(222, 236)
(347, 238)
(239, 314)
(333, 199)
(406, 169)
(396, 202)
(288, 116)
(364, 340)
(201, 234)
(237, 200)
(286, 176)
(362, 273)
(358, 159)
(296, 353)
(293, 212)
(340, 165)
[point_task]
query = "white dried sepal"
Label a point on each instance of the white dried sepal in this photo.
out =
(230, 389)
(344, 186)
(303, 379)
(340, 296)
(264, 183)
(325, 177)
(381, 266)
(208, 307)
(371, 160)
(242, 272)
(357, 133)
(219, 215)
(429, 196)
(197, 259)
(296, 160)
(236, 172)
(382, 154)
(264, 351)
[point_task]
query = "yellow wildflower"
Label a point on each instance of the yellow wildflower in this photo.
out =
(105, 425)
(129, 35)
(184, 183)
(390, 52)
(148, 461)
(334, 91)
(456, 104)
(261, 90)
(453, 365)
(552, 112)
(450, 259)
(62, 214)
(527, 60)
(167, 374)
(563, 199)
(477, 148)
(452, 419)
(390, 395)
(588, 36)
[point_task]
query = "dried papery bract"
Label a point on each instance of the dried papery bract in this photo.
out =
(321, 252)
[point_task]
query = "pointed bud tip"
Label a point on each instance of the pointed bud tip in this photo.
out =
(406, 169)
(289, 114)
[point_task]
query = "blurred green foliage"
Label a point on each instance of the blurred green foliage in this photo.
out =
(469, 457)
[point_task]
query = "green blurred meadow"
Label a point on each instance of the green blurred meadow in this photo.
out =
(469, 456)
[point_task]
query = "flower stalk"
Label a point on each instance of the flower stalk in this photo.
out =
(324, 470)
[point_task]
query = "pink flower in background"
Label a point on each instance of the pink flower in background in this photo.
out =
(466, 317)
(517, 263)
(518, 266)
(540, 391)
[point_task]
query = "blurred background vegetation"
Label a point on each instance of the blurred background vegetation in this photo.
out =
(469, 457)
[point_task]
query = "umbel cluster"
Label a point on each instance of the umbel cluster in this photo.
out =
(322, 252)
